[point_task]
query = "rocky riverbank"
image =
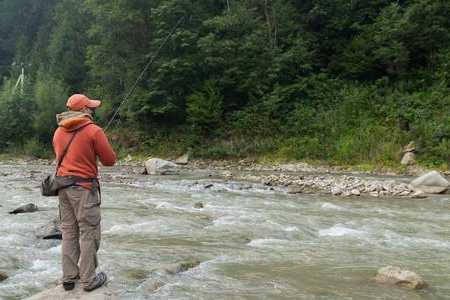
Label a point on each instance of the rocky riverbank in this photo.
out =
(303, 178)
(294, 178)
(337, 185)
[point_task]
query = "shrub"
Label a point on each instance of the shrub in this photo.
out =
(50, 96)
(204, 107)
(370, 143)
(16, 116)
(301, 148)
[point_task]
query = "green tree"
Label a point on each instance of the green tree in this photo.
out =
(204, 108)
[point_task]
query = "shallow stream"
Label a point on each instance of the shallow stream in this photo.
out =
(253, 242)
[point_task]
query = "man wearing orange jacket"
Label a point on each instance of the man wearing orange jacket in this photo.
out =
(80, 199)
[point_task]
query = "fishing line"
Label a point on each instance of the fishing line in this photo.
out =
(149, 63)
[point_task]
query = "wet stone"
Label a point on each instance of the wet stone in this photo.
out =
(3, 276)
(294, 189)
(402, 278)
(181, 267)
(50, 231)
(28, 208)
(356, 192)
(151, 285)
(199, 205)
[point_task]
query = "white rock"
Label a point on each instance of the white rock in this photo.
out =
(431, 183)
(418, 195)
(374, 194)
(182, 160)
(346, 194)
(409, 158)
(156, 166)
(399, 277)
(404, 193)
(336, 191)
(228, 174)
(355, 192)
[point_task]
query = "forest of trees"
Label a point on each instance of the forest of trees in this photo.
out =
(332, 80)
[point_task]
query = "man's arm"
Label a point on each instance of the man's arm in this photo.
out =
(103, 149)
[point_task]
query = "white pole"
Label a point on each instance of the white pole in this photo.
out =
(22, 79)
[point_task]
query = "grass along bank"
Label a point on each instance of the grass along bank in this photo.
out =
(372, 151)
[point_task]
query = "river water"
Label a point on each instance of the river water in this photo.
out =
(253, 242)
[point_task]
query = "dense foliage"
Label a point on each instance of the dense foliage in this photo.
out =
(337, 80)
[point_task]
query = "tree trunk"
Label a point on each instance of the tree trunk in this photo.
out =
(269, 25)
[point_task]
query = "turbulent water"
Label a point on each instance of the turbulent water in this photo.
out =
(253, 242)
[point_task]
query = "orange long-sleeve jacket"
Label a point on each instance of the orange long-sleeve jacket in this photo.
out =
(89, 144)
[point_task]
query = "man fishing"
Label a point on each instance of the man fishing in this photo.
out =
(78, 142)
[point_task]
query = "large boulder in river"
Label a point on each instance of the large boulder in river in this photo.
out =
(431, 183)
(403, 278)
(157, 166)
(3, 276)
(27, 208)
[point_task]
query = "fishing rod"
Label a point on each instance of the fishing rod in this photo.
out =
(150, 61)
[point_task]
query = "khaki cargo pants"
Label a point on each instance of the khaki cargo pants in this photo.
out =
(80, 226)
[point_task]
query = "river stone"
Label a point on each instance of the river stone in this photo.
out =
(227, 174)
(181, 267)
(294, 189)
(419, 195)
(50, 231)
(356, 192)
(3, 276)
(199, 205)
(374, 194)
(27, 208)
(404, 193)
(156, 166)
(431, 183)
(336, 191)
(403, 278)
(58, 293)
(151, 285)
(408, 159)
(411, 147)
(346, 194)
(182, 160)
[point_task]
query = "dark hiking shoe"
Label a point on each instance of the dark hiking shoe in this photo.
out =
(68, 286)
(99, 280)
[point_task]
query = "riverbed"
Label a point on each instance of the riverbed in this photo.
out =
(253, 241)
